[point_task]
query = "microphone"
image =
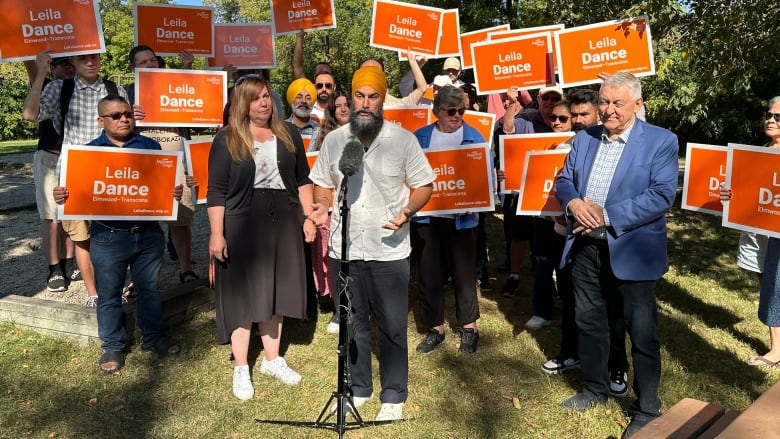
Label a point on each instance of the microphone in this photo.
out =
(351, 158)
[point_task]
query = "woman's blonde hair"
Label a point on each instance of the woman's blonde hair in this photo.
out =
(240, 142)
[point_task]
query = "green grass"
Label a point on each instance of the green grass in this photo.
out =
(16, 146)
(708, 326)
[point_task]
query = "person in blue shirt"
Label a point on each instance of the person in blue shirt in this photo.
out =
(117, 245)
(447, 241)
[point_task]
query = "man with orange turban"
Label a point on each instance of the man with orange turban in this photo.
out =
(384, 162)
(300, 96)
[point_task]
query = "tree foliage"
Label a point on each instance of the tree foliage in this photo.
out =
(716, 66)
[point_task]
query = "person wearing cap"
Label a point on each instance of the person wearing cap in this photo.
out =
(393, 182)
(78, 127)
(56, 246)
(546, 100)
(451, 69)
(300, 96)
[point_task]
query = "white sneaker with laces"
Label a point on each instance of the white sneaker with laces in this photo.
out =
(358, 401)
(333, 325)
(557, 365)
(279, 369)
(537, 322)
(390, 412)
(242, 385)
(91, 302)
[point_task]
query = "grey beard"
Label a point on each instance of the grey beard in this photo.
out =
(301, 112)
(366, 130)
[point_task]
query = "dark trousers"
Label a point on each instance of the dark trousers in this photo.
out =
(379, 289)
(482, 251)
(440, 242)
(548, 247)
(596, 289)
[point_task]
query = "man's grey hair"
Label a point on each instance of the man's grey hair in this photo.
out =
(773, 101)
(448, 96)
(625, 79)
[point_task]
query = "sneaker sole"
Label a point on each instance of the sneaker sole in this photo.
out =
(559, 371)
(618, 395)
(57, 290)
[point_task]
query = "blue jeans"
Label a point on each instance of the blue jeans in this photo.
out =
(111, 253)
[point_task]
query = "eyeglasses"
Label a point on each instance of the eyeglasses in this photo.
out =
(245, 77)
(452, 111)
(554, 117)
(550, 97)
(326, 85)
(118, 115)
(775, 116)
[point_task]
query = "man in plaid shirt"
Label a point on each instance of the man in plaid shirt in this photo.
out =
(79, 127)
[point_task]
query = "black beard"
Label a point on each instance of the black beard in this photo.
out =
(366, 130)
(578, 127)
(322, 98)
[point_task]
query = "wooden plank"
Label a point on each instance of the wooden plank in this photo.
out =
(759, 420)
(719, 425)
(685, 420)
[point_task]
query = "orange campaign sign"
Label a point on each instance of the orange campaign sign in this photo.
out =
(469, 38)
(409, 117)
(306, 142)
(705, 170)
(449, 40)
(197, 154)
(523, 62)
(482, 122)
(169, 29)
(296, 15)
(537, 188)
(405, 26)
(245, 46)
(462, 182)
(119, 183)
(753, 174)
(311, 157)
(180, 98)
(512, 149)
(552, 29)
(66, 28)
(610, 47)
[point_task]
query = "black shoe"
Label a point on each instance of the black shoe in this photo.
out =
(75, 275)
(469, 338)
(510, 287)
(617, 384)
(56, 282)
(581, 402)
(433, 340)
(633, 427)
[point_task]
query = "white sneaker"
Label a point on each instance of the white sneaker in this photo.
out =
(279, 369)
(333, 325)
(358, 402)
(242, 385)
(390, 412)
(537, 322)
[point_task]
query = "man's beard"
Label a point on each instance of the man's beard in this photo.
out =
(366, 129)
(322, 99)
(302, 110)
(579, 126)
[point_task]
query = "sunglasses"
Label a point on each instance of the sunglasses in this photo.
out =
(452, 111)
(554, 117)
(118, 115)
(326, 85)
(245, 77)
(775, 116)
(551, 97)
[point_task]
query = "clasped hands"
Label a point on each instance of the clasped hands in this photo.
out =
(587, 216)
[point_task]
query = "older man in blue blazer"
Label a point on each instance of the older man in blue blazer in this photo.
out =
(618, 181)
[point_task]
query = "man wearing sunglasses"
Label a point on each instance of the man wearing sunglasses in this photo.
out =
(325, 86)
(119, 244)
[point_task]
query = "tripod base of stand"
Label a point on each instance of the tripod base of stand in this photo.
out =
(344, 404)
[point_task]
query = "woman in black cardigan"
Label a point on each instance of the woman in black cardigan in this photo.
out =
(259, 198)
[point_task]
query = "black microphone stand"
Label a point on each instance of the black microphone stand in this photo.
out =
(343, 393)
